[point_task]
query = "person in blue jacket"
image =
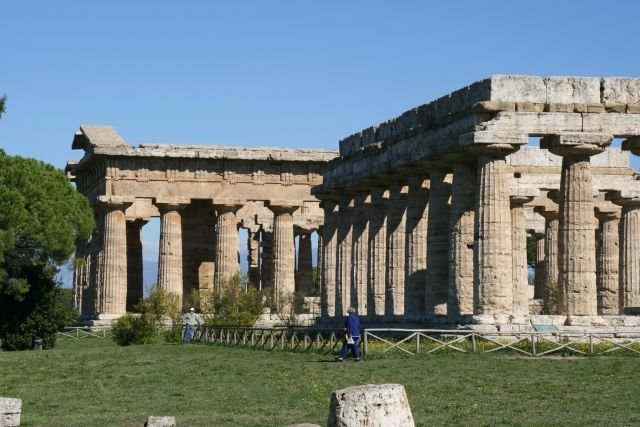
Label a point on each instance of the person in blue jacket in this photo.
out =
(351, 337)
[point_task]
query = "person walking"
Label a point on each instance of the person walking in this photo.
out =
(190, 320)
(351, 336)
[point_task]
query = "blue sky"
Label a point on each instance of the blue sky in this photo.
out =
(277, 73)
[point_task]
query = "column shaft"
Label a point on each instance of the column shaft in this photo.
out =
(417, 220)
(540, 268)
(135, 287)
(170, 253)
(576, 239)
(461, 243)
(304, 282)
(438, 228)
(519, 261)
(493, 282)
(607, 265)
(113, 297)
(283, 258)
(227, 245)
(362, 213)
(377, 252)
(329, 253)
(396, 258)
(630, 256)
(253, 258)
(344, 262)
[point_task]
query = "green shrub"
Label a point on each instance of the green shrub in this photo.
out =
(133, 329)
(233, 304)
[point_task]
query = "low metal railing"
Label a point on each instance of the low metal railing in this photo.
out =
(286, 339)
(79, 332)
(535, 344)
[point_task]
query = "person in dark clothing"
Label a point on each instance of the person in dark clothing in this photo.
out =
(351, 337)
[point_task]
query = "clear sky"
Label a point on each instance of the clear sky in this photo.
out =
(277, 73)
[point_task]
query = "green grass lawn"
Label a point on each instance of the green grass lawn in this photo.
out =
(93, 382)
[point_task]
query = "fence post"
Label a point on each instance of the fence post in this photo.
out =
(474, 346)
(590, 343)
(533, 344)
(365, 349)
(417, 342)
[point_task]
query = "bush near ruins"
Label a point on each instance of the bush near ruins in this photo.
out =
(233, 304)
(41, 218)
(550, 298)
(159, 313)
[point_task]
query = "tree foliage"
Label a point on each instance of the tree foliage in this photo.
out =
(3, 100)
(41, 217)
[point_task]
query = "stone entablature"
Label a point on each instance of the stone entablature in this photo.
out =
(202, 194)
(474, 139)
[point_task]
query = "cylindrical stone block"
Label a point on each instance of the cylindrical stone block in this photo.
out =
(519, 259)
(540, 268)
(135, 287)
(227, 263)
(344, 263)
(329, 253)
(607, 264)
(630, 256)
(170, 252)
(437, 292)
(362, 213)
(417, 220)
(113, 297)
(304, 278)
(377, 252)
(396, 259)
(283, 256)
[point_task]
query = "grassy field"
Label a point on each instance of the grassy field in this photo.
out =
(92, 382)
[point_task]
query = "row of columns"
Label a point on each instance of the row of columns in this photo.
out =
(108, 280)
(454, 245)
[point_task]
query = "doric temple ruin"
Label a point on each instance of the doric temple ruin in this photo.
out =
(427, 215)
(202, 195)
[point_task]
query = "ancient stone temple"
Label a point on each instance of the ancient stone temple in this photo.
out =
(427, 215)
(202, 195)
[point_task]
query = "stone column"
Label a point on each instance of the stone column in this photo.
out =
(362, 214)
(461, 241)
(79, 273)
(304, 279)
(377, 252)
(629, 247)
(540, 274)
(319, 259)
(170, 251)
(576, 239)
(329, 253)
(112, 298)
(284, 254)
(396, 259)
(437, 292)
(608, 261)
(344, 261)
(227, 263)
(416, 280)
(519, 253)
(493, 281)
(95, 248)
(266, 259)
(550, 251)
(135, 284)
(253, 257)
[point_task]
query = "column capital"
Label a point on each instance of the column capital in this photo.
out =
(520, 196)
(493, 142)
(576, 144)
(632, 144)
(624, 198)
(110, 203)
(604, 213)
(282, 206)
(548, 212)
(167, 204)
(227, 205)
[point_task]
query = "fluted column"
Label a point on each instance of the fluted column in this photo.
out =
(519, 255)
(304, 279)
(461, 242)
(135, 285)
(417, 220)
(629, 247)
(538, 291)
(362, 214)
(284, 254)
(319, 259)
(437, 293)
(253, 258)
(344, 263)
(377, 251)
(79, 273)
(227, 244)
(493, 281)
(550, 252)
(608, 261)
(329, 253)
(170, 251)
(576, 240)
(396, 244)
(113, 295)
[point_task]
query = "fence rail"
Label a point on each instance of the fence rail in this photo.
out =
(535, 344)
(79, 332)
